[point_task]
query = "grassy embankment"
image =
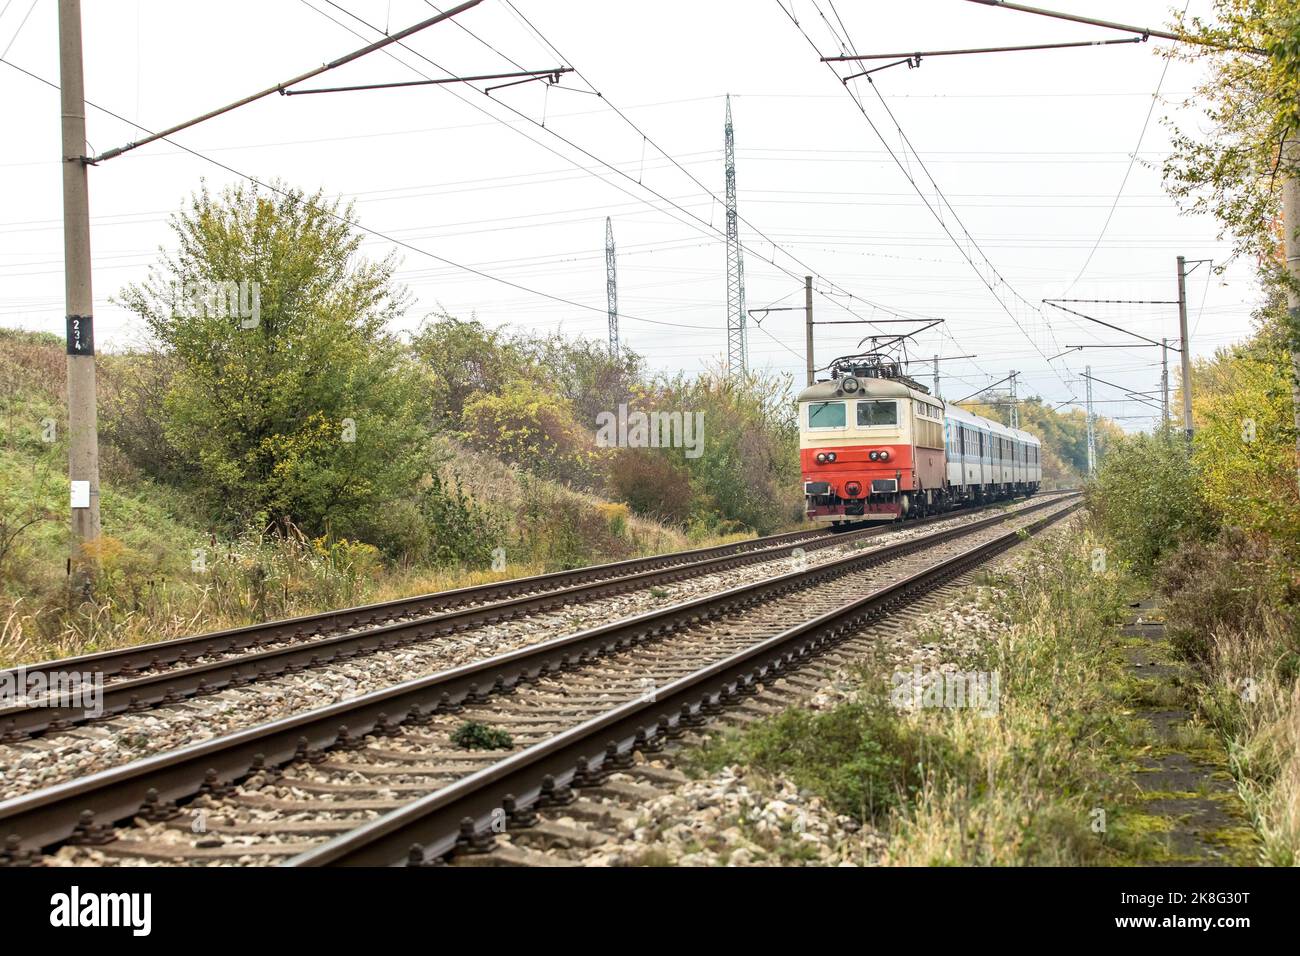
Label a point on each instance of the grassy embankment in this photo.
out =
(149, 589)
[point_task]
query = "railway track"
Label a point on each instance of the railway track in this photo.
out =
(603, 820)
(363, 780)
(140, 678)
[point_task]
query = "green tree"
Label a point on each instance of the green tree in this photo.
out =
(1245, 436)
(467, 359)
(1233, 169)
(300, 405)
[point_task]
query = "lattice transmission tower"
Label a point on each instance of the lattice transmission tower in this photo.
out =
(611, 287)
(737, 348)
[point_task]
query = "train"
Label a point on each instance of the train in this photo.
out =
(876, 445)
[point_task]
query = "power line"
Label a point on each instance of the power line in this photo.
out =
(704, 227)
(14, 38)
(1155, 97)
(366, 229)
(938, 217)
(646, 138)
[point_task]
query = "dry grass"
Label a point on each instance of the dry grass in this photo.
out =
(1023, 783)
(1255, 705)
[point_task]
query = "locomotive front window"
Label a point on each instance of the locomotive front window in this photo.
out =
(877, 413)
(826, 415)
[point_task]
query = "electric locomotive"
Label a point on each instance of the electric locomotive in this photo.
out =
(875, 445)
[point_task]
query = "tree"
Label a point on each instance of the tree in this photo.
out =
(1146, 495)
(1251, 97)
(300, 405)
(1245, 437)
(584, 372)
(526, 425)
(1236, 169)
(465, 359)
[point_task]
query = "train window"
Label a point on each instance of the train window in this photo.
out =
(826, 415)
(877, 413)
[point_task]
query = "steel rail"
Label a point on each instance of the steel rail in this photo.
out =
(77, 807)
(139, 656)
(431, 827)
(137, 694)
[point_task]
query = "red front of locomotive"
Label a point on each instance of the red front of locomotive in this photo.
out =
(857, 453)
(860, 480)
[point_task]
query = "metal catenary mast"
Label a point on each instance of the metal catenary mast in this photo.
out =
(611, 287)
(737, 349)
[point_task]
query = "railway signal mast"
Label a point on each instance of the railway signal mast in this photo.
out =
(737, 348)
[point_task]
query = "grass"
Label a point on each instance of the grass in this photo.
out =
(474, 735)
(956, 786)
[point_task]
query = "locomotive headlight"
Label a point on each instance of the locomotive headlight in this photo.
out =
(874, 456)
(821, 458)
(830, 456)
(884, 456)
(849, 384)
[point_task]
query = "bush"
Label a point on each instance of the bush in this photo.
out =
(748, 466)
(1245, 447)
(1234, 582)
(315, 413)
(651, 483)
(533, 429)
(1146, 497)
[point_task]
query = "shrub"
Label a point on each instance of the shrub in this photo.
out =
(532, 428)
(1146, 497)
(615, 516)
(1245, 447)
(652, 483)
(316, 413)
(1234, 582)
(748, 466)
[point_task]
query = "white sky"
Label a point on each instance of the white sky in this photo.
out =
(1030, 148)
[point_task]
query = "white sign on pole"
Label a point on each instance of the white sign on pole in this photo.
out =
(81, 494)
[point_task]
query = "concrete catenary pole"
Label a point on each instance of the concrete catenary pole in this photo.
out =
(83, 424)
(1164, 384)
(1291, 248)
(1187, 348)
(1092, 428)
(808, 325)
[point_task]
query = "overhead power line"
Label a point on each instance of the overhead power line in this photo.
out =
(280, 87)
(805, 267)
(358, 226)
(992, 284)
(918, 56)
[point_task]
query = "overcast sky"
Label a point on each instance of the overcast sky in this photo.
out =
(1030, 149)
